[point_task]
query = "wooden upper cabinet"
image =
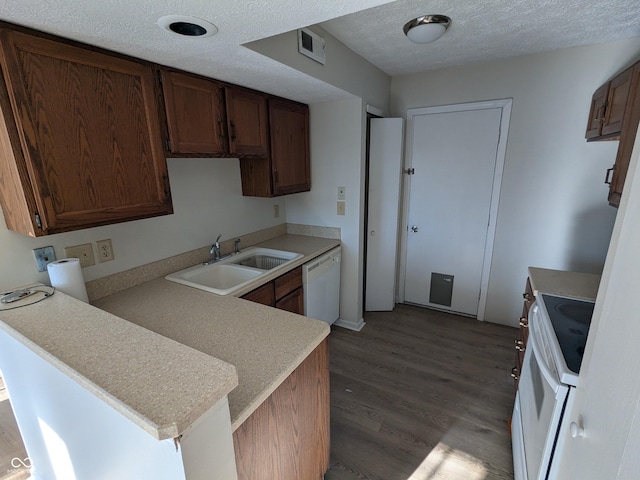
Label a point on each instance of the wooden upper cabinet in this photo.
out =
(80, 133)
(608, 107)
(196, 115)
(247, 122)
(617, 103)
(596, 113)
(290, 164)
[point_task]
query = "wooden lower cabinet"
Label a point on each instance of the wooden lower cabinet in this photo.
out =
(285, 292)
(287, 437)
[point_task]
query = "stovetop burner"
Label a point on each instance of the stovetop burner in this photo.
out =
(570, 320)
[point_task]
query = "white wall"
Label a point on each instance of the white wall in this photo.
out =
(207, 200)
(336, 160)
(553, 211)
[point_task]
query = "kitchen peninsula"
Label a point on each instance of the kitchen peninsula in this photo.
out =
(163, 348)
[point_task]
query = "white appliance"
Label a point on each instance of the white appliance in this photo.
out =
(558, 329)
(321, 280)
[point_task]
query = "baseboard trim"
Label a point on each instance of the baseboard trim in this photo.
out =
(356, 326)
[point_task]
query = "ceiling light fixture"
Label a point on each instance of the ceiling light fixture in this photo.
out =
(427, 28)
(188, 26)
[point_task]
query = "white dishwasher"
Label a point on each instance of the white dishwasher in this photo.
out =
(321, 280)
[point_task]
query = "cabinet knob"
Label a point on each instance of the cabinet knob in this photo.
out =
(524, 323)
(525, 295)
(520, 345)
(576, 430)
(514, 373)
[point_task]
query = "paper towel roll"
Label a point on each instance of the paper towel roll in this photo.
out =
(66, 276)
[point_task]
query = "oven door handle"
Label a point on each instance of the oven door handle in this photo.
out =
(534, 334)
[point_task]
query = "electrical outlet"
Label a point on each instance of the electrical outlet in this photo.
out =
(44, 256)
(276, 211)
(105, 250)
(340, 208)
(82, 252)
(341, 193)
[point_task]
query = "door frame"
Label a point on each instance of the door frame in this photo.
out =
(505, 105)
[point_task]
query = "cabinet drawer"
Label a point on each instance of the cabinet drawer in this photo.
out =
(288, 282)
(264, 295)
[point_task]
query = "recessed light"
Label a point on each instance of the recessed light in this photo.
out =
(187, 26)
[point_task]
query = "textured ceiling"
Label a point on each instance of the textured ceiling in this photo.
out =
(129, 26)
(482, 31)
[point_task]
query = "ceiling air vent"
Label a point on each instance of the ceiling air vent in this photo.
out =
(311, 45)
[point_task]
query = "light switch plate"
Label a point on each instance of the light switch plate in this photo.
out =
(44, 256)
(82, 252)
(340, 208)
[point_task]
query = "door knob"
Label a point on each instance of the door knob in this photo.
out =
(414, 228)
(373, 233)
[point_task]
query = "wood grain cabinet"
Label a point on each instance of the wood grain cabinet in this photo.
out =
(288, 168)
(287, 437)
(284, 293)
(523, 332)
(196, 114)
(614, 115)
(80, 139)
(247, 122)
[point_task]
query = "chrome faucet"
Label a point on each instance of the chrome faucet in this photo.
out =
(237, 245)
(215, 249)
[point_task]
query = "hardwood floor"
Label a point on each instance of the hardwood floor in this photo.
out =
(421, 395)
(416, 395)
(10, 442)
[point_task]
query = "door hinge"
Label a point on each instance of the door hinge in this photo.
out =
(409, 171)
(37, 220)
(168, 145)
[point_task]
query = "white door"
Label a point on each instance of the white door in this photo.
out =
(453, 155)
(385, 170)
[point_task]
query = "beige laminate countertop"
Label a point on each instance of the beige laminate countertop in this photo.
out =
(582, 286)
(264, 344)
(159, 384)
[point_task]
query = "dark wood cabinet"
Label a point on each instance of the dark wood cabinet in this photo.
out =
(523, 332)
(617, 119)
(80, 137)
(285, 292)
(196, 114)
(247, 122)
(288, 168)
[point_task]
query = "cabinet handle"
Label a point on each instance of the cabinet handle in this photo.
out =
(606, 178)
(233, 131)
(524, 323)
(525, 295)
(222, 125)
(514, 373)
(520, 345)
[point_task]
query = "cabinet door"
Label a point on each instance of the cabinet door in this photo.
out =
(289, 124)
(90, 134)
(247, 122)
(294, 302)
(196, 117)
(617, 103)
(597, 112)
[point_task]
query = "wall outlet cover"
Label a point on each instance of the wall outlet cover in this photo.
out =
(341, 193)
(82, 252)
(44, 256)
(105, 250)
(341, 208)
